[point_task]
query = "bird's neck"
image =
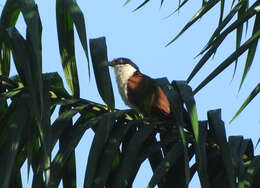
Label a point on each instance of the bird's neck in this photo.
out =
(123, 73)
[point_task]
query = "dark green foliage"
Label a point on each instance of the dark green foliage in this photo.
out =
(123, 138)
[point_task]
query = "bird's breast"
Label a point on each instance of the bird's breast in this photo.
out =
(123, 73)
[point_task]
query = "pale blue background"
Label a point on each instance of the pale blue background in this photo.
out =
(141, 36)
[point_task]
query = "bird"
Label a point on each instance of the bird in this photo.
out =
(139, 91)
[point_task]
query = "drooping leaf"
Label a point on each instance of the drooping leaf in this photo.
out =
(187, 97)
(16, 123)
(234, 143)
(202, 167)
(98, 50)
(216, 125)
(31, 16)
(79, 22)
(127, 164)
(110, 154)
(105, 125)
(75, 133)
(166, 164)
(21, 57)
(66, 46)
(59, 125)
(8, 19)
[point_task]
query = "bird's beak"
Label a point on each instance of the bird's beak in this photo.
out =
(111, 63)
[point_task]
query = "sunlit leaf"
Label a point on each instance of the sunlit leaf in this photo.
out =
(66, 46)
(79, 22)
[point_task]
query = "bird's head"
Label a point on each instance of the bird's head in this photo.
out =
(124, 68)
(123, 64)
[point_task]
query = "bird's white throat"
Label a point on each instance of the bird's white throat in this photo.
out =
(123, 73)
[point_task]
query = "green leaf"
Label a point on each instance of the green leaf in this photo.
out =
(37, 158)
(8, 19)
(33, 40)
(122, 177)
(69, 169)
(228, 61)
(222, 6)
(66, 46)
(216, 125)
(16, 123)
(140, 6)
(252, 171)
(181, 4)
(187, 97)
(239, 33)
(56, 86)
(110, 154)
(253, 10)
(175, 153)
(127, 1)
(10, 94)
(59, 125)
(234, 143)
(186, 156)
(62, 158)
(105, 125)
(98, 50)
(202, 165)
(21, 57)
(213, 45)
(156, 157)
(79, 22)
(204, 9)
(247, 101)
(251, 51)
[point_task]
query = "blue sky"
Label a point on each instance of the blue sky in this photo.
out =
(141, 36)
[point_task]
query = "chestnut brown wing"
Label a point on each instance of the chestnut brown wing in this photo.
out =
(147, 96)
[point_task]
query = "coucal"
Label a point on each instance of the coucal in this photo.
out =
(139, 91)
